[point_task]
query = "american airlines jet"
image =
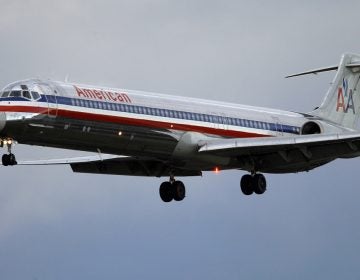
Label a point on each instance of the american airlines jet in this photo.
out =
(149, 134)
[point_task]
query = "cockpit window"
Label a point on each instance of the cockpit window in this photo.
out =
(26, 94)
(15, 93)
(21, 91)
(35, 95)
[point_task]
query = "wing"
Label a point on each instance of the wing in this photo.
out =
(117, 165)
(133, 167)
(99, 157)
(284, 154)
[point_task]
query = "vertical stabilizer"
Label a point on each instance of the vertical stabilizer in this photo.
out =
(341, 104)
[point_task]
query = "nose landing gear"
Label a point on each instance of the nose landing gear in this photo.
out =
(8, 159)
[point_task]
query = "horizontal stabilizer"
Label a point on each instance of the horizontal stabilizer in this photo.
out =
(324, 69)
(314, 71)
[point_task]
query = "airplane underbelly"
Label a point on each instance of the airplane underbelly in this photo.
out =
(92, 136)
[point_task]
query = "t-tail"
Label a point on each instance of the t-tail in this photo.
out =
(341, 104)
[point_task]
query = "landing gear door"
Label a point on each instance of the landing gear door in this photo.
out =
(51, 97)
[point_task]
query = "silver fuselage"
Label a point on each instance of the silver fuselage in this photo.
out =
(139, 124)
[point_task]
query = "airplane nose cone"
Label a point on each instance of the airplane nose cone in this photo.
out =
(2, 120)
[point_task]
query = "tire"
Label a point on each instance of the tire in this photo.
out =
(12, 159)
(179, 190)
(5, 159)
(166, 192)
(246, 184)
(259, 184)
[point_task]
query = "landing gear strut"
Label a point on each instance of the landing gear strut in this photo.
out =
(255, 183)
(8, 159)
(172, 190)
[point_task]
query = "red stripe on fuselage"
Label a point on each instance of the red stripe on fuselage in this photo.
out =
(131, 121)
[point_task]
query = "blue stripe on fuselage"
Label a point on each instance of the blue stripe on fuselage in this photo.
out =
(173, 114)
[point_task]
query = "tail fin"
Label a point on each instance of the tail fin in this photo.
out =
(341, 104)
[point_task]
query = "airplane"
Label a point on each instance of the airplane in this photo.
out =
(149, 134)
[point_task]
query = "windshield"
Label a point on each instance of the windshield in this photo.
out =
(21, 91)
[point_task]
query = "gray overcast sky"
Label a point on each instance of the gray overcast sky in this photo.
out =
(58, 225)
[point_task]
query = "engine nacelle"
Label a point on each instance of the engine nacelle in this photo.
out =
(311, 127)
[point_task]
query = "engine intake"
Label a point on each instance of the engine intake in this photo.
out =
(311, 128)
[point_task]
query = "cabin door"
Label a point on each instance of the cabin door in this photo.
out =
(51, 97)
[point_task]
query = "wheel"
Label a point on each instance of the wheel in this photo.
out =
(166, 192)
(179, 190)
(5, 159)
(12, 159)
(259, 183)
(246, 184)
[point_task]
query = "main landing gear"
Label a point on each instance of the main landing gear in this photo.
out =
(172, 190)
(255, 183)
(8, 159)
